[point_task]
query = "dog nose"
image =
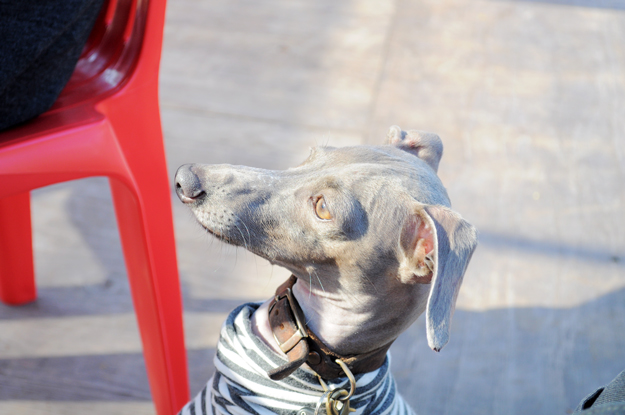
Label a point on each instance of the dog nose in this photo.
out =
(188, 186)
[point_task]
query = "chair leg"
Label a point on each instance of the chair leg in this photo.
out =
(17, 275)
(147, 236)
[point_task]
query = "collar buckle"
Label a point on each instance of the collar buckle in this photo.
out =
(301, 332)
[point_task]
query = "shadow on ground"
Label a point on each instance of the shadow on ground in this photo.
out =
(494, 353)
(490, 348)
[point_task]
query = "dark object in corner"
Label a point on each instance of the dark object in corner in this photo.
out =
(606, 400)
(41, 43)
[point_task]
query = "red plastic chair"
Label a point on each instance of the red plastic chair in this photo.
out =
(106, 123)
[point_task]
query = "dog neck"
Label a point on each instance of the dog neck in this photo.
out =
(302, 345)
(348, 324)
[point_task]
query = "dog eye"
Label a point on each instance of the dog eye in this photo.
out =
(322, 210)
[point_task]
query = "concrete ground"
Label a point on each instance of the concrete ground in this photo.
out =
(529, 99)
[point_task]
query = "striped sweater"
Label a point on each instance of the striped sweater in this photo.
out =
(240, 384)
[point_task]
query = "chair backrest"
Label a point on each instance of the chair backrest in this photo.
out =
(124, 46)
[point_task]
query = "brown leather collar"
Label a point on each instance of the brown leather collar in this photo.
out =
(301, 345)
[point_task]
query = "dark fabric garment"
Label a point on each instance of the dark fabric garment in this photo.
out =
(40, 43)
(606, 400)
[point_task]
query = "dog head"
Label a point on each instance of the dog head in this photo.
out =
(372, 224)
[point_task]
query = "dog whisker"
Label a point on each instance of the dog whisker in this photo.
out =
(319, 279)
(242, 236)
(371, 282)
(249, 235)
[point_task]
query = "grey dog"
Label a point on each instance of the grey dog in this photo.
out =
(372, 243)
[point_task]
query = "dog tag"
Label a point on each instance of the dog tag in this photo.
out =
(305, 411)
(341, 408)
(335, 406)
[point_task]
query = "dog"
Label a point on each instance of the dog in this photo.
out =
(371, 241)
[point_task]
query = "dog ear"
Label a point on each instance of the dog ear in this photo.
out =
(418, 248)
(427, 146)
(437, 245)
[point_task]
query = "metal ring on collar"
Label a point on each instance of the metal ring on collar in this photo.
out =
(322, 400)
(350, 376)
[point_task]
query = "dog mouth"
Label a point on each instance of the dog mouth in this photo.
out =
(239, 235)
(222, 237)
